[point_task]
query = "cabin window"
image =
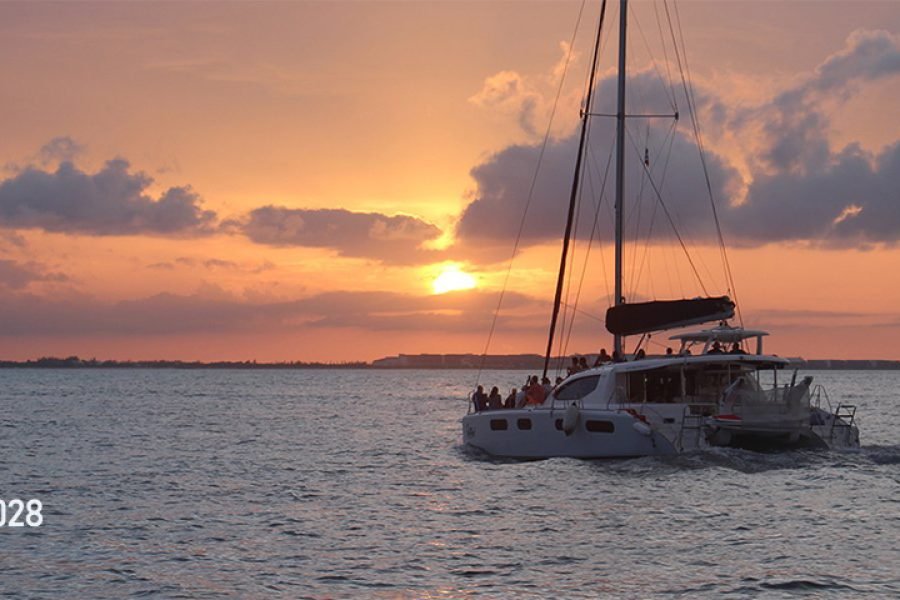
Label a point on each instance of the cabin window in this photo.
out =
(658, 386)
(498, 425)
(578, 389)
(524, 423)
(599, 426)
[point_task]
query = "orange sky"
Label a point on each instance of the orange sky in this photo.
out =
(288, 179)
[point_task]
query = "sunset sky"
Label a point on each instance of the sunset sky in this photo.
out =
(288, 180)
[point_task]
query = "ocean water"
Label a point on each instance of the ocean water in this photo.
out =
(333, 484)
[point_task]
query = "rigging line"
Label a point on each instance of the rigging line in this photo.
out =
(563, 344)
(636, 21)
(566, 317)
(596, 229)
(671, 222)
(562, 79)
(570, 319)
(638, 205)
(587, 314)
(667, 143)
(689, 93)
(574, 195)
(695, 120)
(587, 254)
(662, 43)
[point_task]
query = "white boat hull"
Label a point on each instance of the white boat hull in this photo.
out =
(538, 433)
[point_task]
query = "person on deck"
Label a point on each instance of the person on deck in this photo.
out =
(495, 400)
(511, 399)
(547, 386)
(480, 399)
(582, 364)
(736, 348)
(574, 367)
(535, 393)
(602, 358)
(669, 352)
(716, 348)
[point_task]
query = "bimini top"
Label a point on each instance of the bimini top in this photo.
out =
(658, 315)
(722, 334)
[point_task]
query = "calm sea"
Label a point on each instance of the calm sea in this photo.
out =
(353, 484)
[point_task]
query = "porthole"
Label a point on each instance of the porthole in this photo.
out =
(599, 426)
(524, 424)
(498, 425)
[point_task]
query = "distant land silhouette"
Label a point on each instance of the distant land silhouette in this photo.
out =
(531, 362)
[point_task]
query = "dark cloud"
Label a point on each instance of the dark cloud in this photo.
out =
(16, 275)
(112, 201)
(800, 188)
(60, 149)
(853, 201)
(213, 311)
(503, 181)
(393, 239)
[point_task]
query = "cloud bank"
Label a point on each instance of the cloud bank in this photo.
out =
(112, 201)
(15, 275)
(800, 188)
(392, 239)
(210, 311)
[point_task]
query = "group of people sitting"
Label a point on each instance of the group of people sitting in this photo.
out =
(534, 392)
(717, 348)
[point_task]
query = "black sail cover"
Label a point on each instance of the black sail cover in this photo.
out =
(645, 317)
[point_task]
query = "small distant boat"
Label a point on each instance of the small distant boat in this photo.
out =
(715, 391)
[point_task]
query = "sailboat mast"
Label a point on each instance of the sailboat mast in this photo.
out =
(573, 196)
(620, 164)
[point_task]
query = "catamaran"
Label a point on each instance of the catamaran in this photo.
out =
(716, 390)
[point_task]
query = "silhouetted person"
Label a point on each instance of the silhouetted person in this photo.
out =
(535, 393)
(480, 399)
(582, 364)
(511, 399)
(716, 348)
(574, 367)
(736, 348)
(669, 352)
(495, 400)
(602, 358)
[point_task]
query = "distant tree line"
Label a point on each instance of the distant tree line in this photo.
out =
(74, 362)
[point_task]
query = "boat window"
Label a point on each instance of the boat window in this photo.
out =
(578, 389)
(600, 426)
(498, 425)
(558, 424)
(524, 423)
(659, 386)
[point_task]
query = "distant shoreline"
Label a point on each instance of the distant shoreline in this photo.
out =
(525, 362)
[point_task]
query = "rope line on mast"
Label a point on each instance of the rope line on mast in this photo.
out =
(688, 85)
(574, 195)
(562, 80)
(594, 231)
(671, 220)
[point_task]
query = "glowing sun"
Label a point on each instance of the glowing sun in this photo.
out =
(452, 279)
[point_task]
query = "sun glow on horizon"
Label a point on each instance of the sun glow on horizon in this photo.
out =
(452, 279)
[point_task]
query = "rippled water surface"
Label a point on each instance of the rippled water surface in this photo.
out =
(353, 484)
